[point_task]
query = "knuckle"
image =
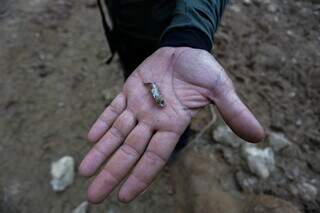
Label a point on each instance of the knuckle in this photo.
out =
(99, 150)
(104, 119)
(112, 177)
(129, 150)
(124, 120)
(114, 108)
(116, 132)
(154, 157)
(141, 179)
(128, 117)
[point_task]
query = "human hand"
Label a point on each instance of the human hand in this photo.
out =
(136, 136)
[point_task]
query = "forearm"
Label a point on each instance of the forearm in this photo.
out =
(194, 24)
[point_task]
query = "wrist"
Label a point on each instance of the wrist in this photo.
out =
(186, 37)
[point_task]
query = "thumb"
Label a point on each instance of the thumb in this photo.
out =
(238, 117)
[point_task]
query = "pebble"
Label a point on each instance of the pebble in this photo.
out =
(82, 208)
(224, 135)
(290, 33)
(235, 8)
(272, 8)
(260, 161)
(298, 122)
(278, 141)
(247, 2)
(307, 191)
(62, 172)
(61, 104)
(292, 94)
(245, 181)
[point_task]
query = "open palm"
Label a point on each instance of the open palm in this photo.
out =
(136, 136)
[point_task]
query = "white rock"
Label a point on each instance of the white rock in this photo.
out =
(224, 135)
(290, 33)
(260, 161)
(247, 2)
(278, 141)
(82, 208)
(235, 8)
(62, 172)
(272, 8)
(246, 182)
(307, 191)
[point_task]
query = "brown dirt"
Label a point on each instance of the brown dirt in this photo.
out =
(51, 88)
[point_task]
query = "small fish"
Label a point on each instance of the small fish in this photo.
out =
(156, 94)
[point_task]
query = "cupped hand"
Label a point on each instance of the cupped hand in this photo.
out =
(134, 136)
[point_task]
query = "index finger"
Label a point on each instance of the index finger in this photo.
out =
(106, 119)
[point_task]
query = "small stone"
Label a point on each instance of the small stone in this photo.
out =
(292, 94)
(82, 208)
(278, 141)
(272, 8)
(61, 104)
(62, 172)
(224, 135)
(235, 8)
(42, 56)
(290, 33)
(307, 191)
(291, 170)
(245, 181)
(247, 2)
(260, 161)
(298, 122)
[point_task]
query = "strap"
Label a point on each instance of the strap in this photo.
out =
(107, 31)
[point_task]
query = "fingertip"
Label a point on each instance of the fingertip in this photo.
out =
(123, 197)
(91, 137)
(123, 194)
(92, 196)
(96, 131)
(260, 135)
(248, 129)
(86, 168)
(131, 188)
(256, 136)
(83, 170)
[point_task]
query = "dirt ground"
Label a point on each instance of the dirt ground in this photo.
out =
(54, 83)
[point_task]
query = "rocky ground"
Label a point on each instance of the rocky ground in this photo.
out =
(54, 83)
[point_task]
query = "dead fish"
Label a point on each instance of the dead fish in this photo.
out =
(156, 94)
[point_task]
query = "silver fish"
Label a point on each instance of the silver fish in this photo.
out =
(156, 94)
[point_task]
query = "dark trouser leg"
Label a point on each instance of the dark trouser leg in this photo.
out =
(133, 52)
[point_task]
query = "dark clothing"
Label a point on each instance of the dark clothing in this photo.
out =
(132, 51)
(172, 23)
